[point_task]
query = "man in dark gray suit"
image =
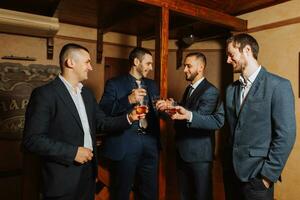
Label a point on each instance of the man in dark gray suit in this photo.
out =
(195, 135)
(261, 117)
(61, 121)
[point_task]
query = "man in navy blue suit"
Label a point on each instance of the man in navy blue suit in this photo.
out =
(133, 152)
(260, 112)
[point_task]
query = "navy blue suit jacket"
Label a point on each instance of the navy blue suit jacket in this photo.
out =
(115, 102)
(263, 129)
(54, 131)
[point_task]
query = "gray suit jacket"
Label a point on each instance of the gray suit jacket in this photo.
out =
(263, 129)
(195, 141)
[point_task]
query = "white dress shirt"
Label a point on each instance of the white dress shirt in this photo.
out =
(194, 86)
(247, 83)
(78, 101)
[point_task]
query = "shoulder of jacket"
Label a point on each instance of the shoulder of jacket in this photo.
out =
(233, 85)
(212, 86)
(276, 78)
(118, 79)
(148, 80)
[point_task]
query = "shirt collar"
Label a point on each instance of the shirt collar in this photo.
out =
(195, 85)
(133, 79)
(249, 81)
(70, 87)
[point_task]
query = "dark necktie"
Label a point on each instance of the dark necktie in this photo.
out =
(187, 94)
(190, 90)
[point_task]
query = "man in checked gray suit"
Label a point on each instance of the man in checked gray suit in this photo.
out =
(260, 113)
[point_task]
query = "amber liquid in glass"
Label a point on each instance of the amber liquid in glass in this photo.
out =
(171, 111)
(141, 109)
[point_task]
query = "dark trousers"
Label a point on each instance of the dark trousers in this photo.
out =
(195, 180)
(86, 186)
(139, 164)
(254, 189)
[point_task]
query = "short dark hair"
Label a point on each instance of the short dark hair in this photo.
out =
(243, 39)
(198, 55)
(65, 49)
(138, 52)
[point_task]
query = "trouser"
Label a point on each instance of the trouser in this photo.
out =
(85, 189)
(195, 180)
(139, 164)
(254, 189)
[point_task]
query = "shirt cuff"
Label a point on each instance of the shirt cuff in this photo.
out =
(191, 118)
(128, 119)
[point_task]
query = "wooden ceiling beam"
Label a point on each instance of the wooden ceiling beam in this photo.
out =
(201, 13)
(118, 19)
(119, 16)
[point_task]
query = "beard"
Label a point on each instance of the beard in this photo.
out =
(139, 69)
(191, 77)
(240, 65)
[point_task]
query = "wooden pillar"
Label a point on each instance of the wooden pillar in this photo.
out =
(161, 64)
(139, 40)
(99, 45)
(161, 50)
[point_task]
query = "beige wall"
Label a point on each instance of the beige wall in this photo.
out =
(23, 46)
(279, 53)
(116, 45)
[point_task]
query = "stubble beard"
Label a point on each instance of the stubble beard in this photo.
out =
(139, 69)
(191, 78)
(240, 66)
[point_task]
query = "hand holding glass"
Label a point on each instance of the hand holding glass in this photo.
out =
(142, 106)
(171, 108)
(154, 100)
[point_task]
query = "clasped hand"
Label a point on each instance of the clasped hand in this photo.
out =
(83, 155)
(181, 112)
(162, 105)
(137, 95)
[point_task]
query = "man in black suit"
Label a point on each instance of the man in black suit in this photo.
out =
(196, 119)
(133, 152)
(60, 124)
(260, 111)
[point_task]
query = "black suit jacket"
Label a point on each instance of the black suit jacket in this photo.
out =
(115, 102)
(195, 141)
(54, 131)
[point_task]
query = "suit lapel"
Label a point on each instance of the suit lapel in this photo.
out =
(197, 92)
(183, 100)
(254, 88)
(256, 85)
(129, 82)
(237, 101)
(65, 96)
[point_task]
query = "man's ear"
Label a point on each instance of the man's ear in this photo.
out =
(247, 50)
(69, 63)
(200, 66)
(136, 61)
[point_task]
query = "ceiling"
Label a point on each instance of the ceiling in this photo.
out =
(137, 18)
